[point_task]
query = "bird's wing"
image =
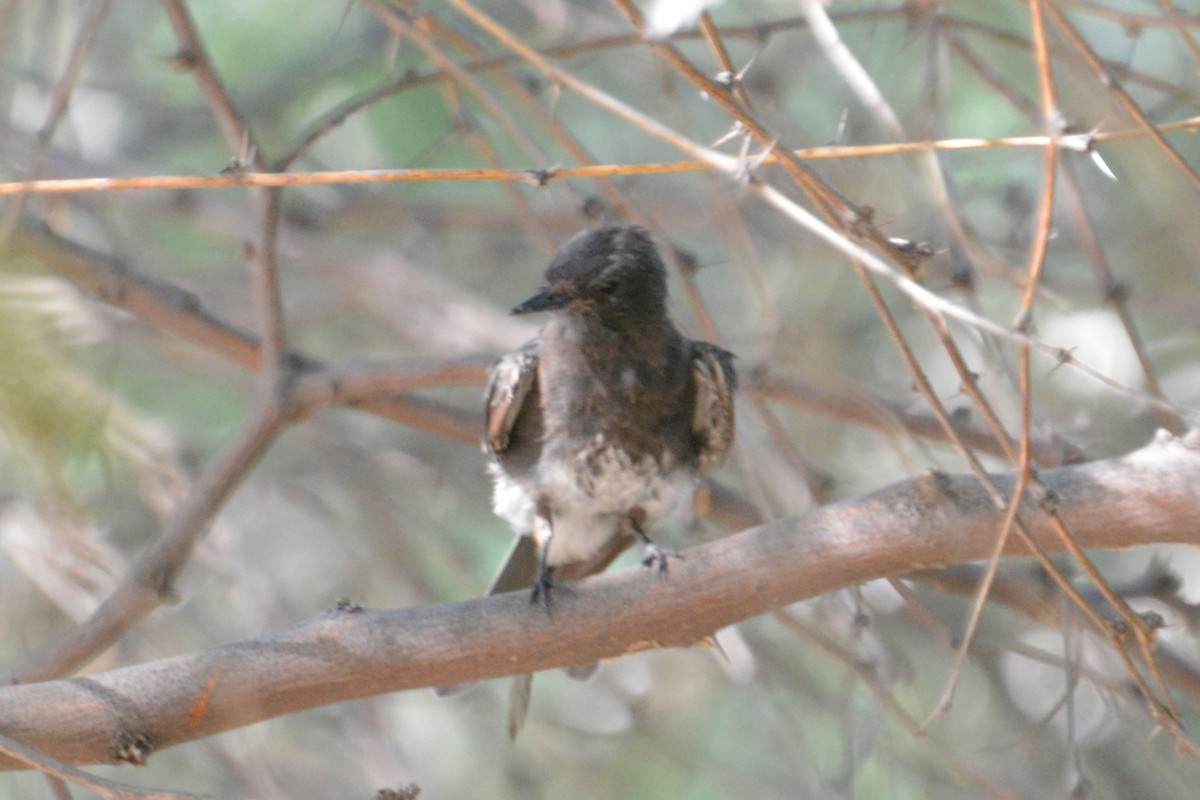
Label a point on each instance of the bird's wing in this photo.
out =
(512, 435)
(714, 381)
(511, 381)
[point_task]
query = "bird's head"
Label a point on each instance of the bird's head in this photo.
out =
(614, 273)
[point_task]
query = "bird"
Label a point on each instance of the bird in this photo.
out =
(599, 429)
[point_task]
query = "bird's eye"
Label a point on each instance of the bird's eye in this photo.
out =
(610, 286)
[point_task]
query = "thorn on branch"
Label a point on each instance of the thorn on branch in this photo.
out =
(541, 177)
(747, 167)
(911, 254)
(132, 747)
(909, 247)
(1071, 138)
(243, 163)
(1063, 355)
(1151, 620)
(239, 165)
(940, 479)
(735, 130)
(934, 486)
(731, 80)
(235, 167)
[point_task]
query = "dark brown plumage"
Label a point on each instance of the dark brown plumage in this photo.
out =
(598, 430)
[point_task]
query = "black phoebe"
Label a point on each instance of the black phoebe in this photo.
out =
(598, 429)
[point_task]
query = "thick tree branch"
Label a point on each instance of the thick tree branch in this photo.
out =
(1148, 496)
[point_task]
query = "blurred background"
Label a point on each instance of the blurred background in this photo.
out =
(108, 413)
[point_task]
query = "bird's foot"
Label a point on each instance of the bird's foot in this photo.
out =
(657, 558)
(540, 594)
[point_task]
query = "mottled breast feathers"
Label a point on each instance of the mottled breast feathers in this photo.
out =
(513, 418)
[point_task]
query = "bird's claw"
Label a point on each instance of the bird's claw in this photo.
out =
(657, 558)
(540, 594)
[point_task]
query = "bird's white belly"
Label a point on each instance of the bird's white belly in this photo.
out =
(591, 493)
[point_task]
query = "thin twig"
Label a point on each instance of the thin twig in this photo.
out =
(1177, 21)
(59, 102)
(980, 598)
(545, 120)
(1114, 87)
(193, 57)
(867, 675)
(1113, 292)
(232, 179)
(268, 297)
(264, 270)
(150, 581)
(934, 303)
(60, 771)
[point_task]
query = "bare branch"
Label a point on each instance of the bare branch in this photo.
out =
(150, 581)
(193, 57)
(1145, 497)
(1118, 91)
(178, 311)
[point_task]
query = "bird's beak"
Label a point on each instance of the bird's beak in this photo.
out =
(545, 300)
